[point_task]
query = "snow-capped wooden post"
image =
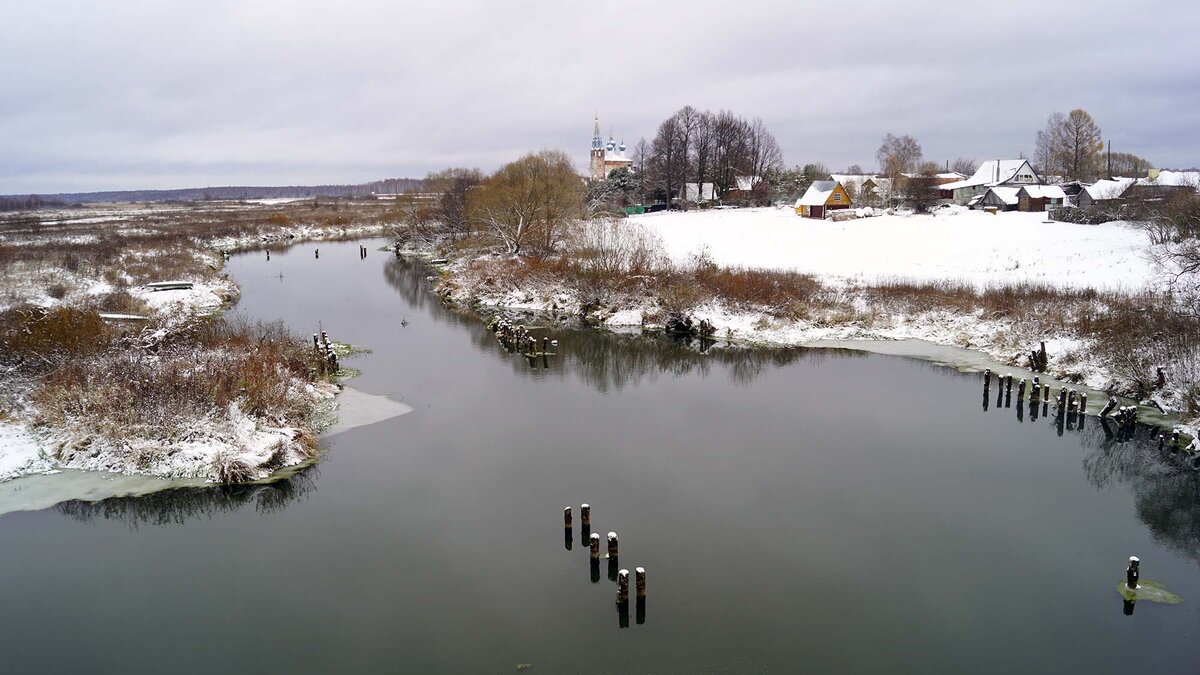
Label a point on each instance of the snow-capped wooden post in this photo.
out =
(1133, 572)
(987, 379)
(585, 515)
(612, 545)
(1062, 399)
(1046, 393)
(594, 545)
(545, 344)
(1162, 439)
(1021, 391)
(1008, 385)
(623, 587)
(567, 518)
(1071, 399)
(1044, 361)
(1083, 403)
(640, 582)
(1108, 407)
(1174, 440)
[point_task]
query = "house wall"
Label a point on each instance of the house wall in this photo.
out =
(838, 199)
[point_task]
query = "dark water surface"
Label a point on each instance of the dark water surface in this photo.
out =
(796, 511)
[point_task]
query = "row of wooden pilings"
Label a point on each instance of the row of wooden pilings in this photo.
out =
(324, 349)
(518, 337)
(1071, 407)
(621, 577)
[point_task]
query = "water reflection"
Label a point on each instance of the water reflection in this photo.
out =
(605, 360)
(176, 507)
(1165, 482)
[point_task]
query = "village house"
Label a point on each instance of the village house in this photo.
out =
(1011, 173)
(742, 188)
(695, 193)
(822, 197)
(1103, 192)
(863, 186)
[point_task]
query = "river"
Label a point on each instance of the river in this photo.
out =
(795, 510)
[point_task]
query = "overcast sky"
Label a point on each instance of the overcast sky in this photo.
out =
(157, 94)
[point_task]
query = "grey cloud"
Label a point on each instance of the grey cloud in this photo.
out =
(127, 94)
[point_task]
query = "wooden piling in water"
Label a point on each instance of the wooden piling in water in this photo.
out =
(1083, 402)
(567, 517)
(623, 587)
(1021, 391)
(1133, 573)
(1108, 407)
(612, 545)
(640, 582)
(585, 515)
(594, 546)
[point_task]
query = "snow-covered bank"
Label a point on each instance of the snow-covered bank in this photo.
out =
(1002, 284)
(31, 479)
(296, 234)
(959, 245)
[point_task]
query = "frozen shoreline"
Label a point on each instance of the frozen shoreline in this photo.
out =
(37, 465)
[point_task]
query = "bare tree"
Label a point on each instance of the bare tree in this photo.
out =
(854, 169)
(527, 203)
(965, 165)
(897, 155)
(1070, 146)
(665, 163)
(453, 185)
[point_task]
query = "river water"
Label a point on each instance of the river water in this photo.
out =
(795, 510)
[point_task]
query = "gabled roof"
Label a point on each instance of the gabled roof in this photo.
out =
(746, 183)
(1042, 191)
(992, 172)
(1108, 189)
(693, 193)
(1174, 178)
(818, 193)
(1007, 195)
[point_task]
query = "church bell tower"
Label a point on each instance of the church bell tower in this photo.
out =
(597, 162)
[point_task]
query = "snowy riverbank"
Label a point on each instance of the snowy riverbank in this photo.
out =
(850, 259)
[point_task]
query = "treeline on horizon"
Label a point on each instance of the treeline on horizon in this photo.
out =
(41, 201)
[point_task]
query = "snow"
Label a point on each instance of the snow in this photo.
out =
(1008, 195)
(20, 453)
(817, 193)
(1044, 192)
(1108, 189)
(991, 172)
(1178, 178)
(968, 246)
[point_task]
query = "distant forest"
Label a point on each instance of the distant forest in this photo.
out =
(387, 186)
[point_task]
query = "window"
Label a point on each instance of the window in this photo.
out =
(837, 196)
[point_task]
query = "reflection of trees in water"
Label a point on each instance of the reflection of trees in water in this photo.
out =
(1165, 487)
(608, 361)
(175, 507)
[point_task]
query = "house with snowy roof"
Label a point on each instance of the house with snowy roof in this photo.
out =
(1162, 186)
(859, 184)
(742, 188)
(822, 197)
(990, 174)
(1105, 191)
(697, 193)
(1023, 198)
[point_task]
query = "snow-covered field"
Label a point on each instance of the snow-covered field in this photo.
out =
(961, 245)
